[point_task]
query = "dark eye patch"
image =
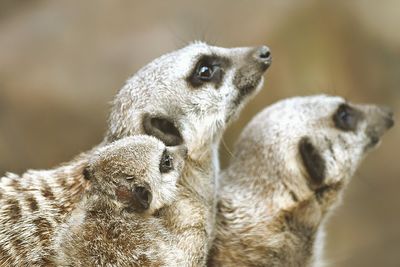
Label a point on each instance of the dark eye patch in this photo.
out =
(208, 69)
(312, 161)
(346, 118)
(166, 162)
(87, 174)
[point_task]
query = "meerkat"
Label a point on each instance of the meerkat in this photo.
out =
(290, 167)
(116, 222)
(187, 96)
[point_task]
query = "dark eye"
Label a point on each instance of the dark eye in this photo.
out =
(166, 164)
(208, 69)
(205, 73)
(346, 118)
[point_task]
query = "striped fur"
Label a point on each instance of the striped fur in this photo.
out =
(31, 207)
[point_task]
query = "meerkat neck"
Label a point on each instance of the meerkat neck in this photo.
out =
(264, 204)
(199, 176)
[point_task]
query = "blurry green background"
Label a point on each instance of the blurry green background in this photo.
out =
(61, 62)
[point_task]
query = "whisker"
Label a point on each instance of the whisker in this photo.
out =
(227, 148)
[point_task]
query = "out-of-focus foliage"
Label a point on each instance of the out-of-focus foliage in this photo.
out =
(61, 62)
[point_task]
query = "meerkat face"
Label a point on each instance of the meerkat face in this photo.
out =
(188, 95)
(322, 138)
(138, 172)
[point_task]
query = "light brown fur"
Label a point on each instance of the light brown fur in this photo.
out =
(31, 208)
(291, 165)
(162, 99)
(111, 227)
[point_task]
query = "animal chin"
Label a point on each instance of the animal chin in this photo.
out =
(247, 88)
(244, 93)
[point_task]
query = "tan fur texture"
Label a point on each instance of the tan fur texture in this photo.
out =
(291, 165)
(31, 207)
(169, 100)
(200, 112)
(110, 227)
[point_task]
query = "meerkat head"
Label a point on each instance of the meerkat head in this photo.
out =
(313, 144)
(188, 95)
(139, 173)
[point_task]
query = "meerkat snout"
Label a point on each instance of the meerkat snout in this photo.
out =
(389, 118)
(379, 120)
(142, 195)
(380, 117)
(262, 54)
(259, 60)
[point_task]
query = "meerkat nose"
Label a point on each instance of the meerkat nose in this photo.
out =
(263, 55)
(389, 121)
(389, 116)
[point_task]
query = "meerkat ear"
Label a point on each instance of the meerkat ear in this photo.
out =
(87, 174)
(162, 128)
(142, 197)
(312, 161)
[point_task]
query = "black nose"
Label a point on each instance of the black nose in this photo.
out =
(389, 116)
(262, 55)
(389, 120)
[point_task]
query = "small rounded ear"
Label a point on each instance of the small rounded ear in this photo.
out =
(143, 196)
(87, 174)
(312, 161)
(162, 128)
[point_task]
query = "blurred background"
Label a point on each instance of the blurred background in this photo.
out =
(61, 63)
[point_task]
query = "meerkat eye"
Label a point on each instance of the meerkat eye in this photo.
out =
(166, 164)
(208, 69)
(205, 73)
(344, 115)
(346, 118)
